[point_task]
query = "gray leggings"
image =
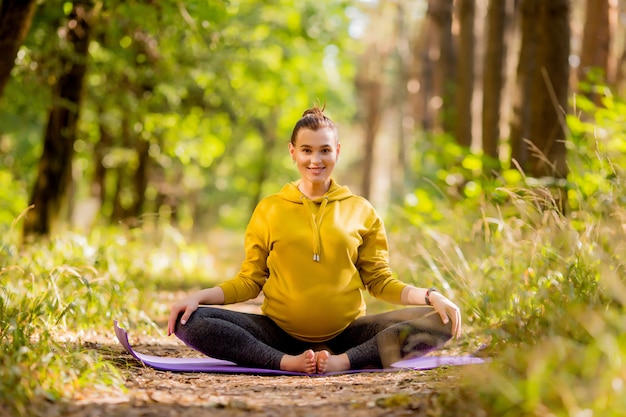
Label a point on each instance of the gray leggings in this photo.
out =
(370, 341)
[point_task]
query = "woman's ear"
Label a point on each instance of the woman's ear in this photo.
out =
(292, 151)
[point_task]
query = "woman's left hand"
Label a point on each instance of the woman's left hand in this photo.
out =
(447, 310)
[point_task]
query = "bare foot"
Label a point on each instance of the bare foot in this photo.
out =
(321, 359)
(331, 363)
(304, 362)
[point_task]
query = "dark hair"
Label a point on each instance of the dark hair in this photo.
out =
(312, 119)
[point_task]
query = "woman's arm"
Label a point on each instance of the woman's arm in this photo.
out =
(447, 309)
(246, 285)
(190, 304)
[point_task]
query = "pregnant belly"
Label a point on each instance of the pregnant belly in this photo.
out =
(314, 322)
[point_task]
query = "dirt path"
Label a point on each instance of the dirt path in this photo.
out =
(156, 393)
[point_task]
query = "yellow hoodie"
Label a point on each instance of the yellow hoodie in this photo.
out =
(313, 259)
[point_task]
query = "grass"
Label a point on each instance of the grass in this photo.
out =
(546, 291)
(54, 290)
(65, 286)
(51, 288)
(549, 296)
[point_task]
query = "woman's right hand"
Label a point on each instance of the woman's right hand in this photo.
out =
(186, 306)
(190, 304)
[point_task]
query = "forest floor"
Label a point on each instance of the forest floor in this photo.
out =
(149, 392)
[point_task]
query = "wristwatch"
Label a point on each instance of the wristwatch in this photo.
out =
(427, 296)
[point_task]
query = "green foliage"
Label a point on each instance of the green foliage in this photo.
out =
(212, 87)
(545, 290)
(53, 292)
(49, 293)
(598, 145)
(37, 300)
(10, 208)
(447, 173)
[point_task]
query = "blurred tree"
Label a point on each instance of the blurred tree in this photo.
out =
(465, 73)
(549, 91)
(596, 38)
(369, 84)
(15, 20)
(100, 150)
(597, 63)
(421, 78)
(493, 79)
(385, 86)
(441, 52)
(400, 166)
(268, 132)
(185, 104)
(133, 176)
(54, 176)
(620, 76)
(617, 64)
(527, 64)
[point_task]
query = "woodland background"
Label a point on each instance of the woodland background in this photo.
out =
(137, 136)
(127, 111)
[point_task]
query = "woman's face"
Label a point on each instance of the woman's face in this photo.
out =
(315, 153)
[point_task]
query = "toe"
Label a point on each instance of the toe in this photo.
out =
(321, 358)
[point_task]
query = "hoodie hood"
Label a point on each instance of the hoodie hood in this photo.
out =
(336, 192)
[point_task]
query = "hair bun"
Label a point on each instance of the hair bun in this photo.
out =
(312, 119)
(315, 111)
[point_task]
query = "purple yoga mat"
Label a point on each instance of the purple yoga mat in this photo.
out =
(208, 364)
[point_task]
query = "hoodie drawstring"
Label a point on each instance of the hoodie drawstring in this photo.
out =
(316, 221)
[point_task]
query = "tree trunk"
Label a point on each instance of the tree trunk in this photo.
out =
(267, 130)
(440, 13)
(15, 20)
(596, 39)
(400, 169)
(549, 91)
(119, 210)
(493, 78)
(520, 123)
(465, 73)
(136, 182)
(98, 183)
(54, 176)
(372, 93)
(421, 83)
(620, 76)
(140, 179)
(369, 87)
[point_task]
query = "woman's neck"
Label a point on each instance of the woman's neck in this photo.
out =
(313, 190)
